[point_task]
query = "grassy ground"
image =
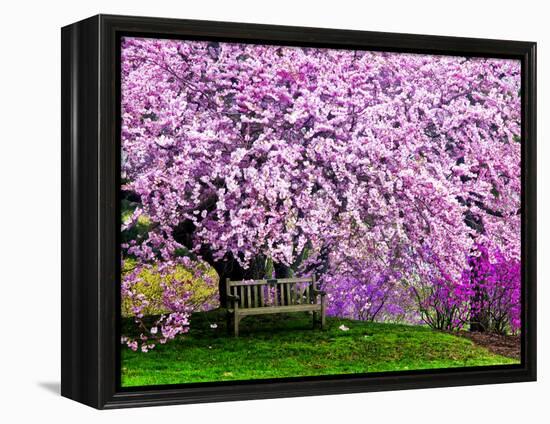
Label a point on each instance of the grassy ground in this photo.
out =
(286, 346)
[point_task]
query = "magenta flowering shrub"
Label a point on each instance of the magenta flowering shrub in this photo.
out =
(495, 290)
(443, 304)
(488, 294)
(378, 172)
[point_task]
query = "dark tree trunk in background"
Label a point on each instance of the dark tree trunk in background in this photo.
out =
(228, 267)
(281, 271)
(477, 319)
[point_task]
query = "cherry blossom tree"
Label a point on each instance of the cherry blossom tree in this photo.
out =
(370, 169)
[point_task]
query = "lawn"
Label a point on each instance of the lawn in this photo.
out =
(286, 346)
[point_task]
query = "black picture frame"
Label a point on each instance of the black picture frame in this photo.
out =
(90, 210)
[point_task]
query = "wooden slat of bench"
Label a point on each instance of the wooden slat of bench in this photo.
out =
(233, 291)
(278, 309)
(262, 301)
(241, 294)
(255, 296)
(287, 295)
(263, 282)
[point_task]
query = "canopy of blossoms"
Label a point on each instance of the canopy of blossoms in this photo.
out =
(385, 174)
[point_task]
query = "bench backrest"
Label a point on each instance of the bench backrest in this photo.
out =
(272, 292)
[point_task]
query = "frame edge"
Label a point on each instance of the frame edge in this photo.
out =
(88, 169)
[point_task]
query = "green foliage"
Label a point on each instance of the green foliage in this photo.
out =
(202, 292)
(286, 346)
(143, 222)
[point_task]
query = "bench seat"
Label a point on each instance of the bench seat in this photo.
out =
(277, 309)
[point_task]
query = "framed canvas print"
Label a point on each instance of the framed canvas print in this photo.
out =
(254, 211)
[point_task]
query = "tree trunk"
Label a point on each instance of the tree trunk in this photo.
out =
(228, 267)
(282, 271)
(477, 319)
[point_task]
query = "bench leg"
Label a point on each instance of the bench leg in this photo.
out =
(323, 310)
(236, 320)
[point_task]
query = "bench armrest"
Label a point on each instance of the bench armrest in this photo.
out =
(319, 292)
(233, 297)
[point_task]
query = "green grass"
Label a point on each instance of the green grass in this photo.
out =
(278, 346)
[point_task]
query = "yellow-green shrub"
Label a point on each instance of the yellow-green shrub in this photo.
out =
(204, 293)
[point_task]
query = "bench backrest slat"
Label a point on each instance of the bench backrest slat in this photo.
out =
(262, 301)
(288, 292)
(266, 282)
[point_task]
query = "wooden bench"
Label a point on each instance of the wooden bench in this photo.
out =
(273, 296)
